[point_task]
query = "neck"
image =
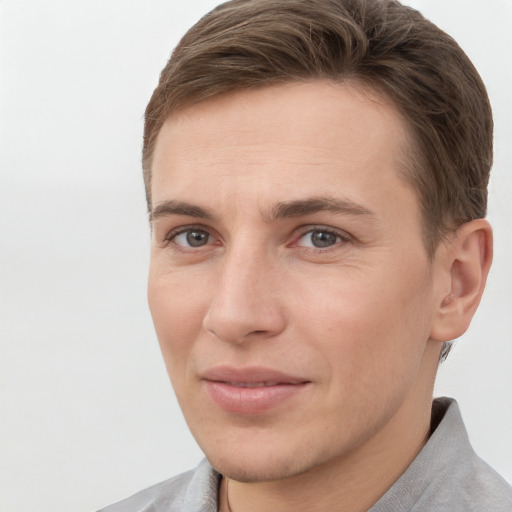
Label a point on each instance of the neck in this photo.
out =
(353, 482)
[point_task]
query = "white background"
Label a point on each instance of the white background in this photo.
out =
(87, 414)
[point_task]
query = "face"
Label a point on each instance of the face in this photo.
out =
(289, 285)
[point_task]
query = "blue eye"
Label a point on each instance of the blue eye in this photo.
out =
(192, 238)
(319, 239)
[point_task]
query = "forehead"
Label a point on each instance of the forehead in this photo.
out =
(301, 106)
(286, 140)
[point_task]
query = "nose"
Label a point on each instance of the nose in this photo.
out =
(246, 302)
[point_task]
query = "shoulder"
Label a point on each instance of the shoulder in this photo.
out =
(167, 495)
(472, 486)
(191, 491)
(464, 481)
(447, 475)
(483, 489)
(462, 477)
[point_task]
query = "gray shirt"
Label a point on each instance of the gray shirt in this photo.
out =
(446, 476)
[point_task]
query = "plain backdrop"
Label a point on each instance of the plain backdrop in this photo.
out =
(87, 413)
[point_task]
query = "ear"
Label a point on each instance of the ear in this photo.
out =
(461, 266)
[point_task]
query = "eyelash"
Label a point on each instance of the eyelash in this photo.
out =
(343, 236)
(170, 237)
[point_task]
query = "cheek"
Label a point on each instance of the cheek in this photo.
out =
(177, 311)
(369, 330)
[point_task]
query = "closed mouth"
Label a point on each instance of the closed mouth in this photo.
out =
(255, 384)
(251, 390)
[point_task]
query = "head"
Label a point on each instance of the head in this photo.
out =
(316, 175)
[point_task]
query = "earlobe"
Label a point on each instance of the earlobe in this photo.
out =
(465, 264)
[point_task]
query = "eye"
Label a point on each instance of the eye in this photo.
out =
(191, 238)
(319, 238)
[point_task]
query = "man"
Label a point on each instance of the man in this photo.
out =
(316, 176)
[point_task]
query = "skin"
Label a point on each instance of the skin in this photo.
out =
(360, 317)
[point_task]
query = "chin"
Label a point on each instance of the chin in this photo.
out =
(257, 464)
(253, 472)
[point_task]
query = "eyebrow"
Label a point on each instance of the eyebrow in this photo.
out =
(302, 207)
(281, 210)
(173, 207)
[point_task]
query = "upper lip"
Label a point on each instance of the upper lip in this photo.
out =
(252, 374)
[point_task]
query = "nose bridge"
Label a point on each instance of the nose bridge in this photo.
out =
(245, 301)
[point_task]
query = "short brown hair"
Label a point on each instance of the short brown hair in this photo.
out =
(380, 44)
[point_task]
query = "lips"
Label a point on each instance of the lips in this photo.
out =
(252, 384)
(253, 390)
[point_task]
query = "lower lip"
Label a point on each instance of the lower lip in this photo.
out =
(251, 400)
